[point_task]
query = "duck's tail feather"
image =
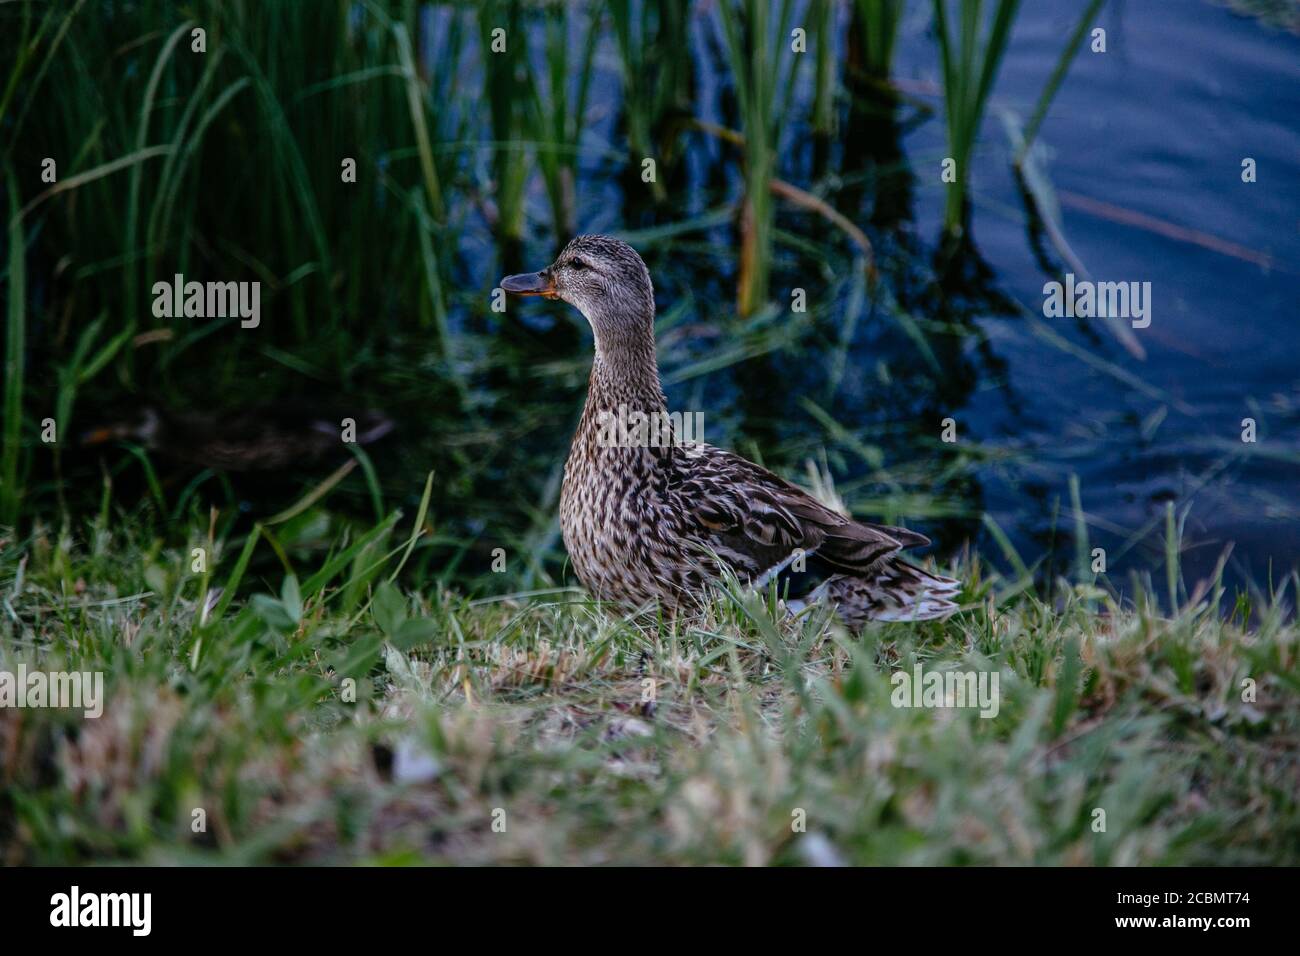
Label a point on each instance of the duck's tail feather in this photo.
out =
(896, 591)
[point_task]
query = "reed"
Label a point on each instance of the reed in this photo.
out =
(758, 49)
(822, 14)
(970, 56)
(251, 136)
(878, 21)
(508, 89)
(223, 165)
(559, 117)
(1067, 55)
(656, 71)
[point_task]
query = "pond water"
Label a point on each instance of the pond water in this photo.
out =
(1147, 142)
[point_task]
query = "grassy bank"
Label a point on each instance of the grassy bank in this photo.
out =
(531, 711)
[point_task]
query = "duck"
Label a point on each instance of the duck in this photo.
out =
(652, 518)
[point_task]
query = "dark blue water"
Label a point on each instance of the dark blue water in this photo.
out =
(1156, 127)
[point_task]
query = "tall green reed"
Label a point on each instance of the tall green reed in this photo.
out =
(222, 165)
(970, 58)
(822, 14)
(510, 94)
(656, 68)
(878, 22)
(559, 118)
(758, 49)
(1053, 84)
(254, 132)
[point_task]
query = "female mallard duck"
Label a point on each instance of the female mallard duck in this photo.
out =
(653, 520)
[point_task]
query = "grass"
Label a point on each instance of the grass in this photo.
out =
(536, 707)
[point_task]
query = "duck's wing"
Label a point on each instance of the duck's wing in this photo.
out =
(758, 521)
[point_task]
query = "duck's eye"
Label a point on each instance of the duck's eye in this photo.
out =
(578, 264)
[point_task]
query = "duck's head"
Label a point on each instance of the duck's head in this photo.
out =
(604, 279)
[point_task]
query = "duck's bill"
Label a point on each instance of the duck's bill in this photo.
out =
(530, 283)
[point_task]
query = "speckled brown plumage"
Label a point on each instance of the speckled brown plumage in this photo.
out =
(653, 523)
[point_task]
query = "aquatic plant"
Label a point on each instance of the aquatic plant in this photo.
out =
(970, 56)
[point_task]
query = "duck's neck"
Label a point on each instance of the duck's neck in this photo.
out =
(625, 373)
